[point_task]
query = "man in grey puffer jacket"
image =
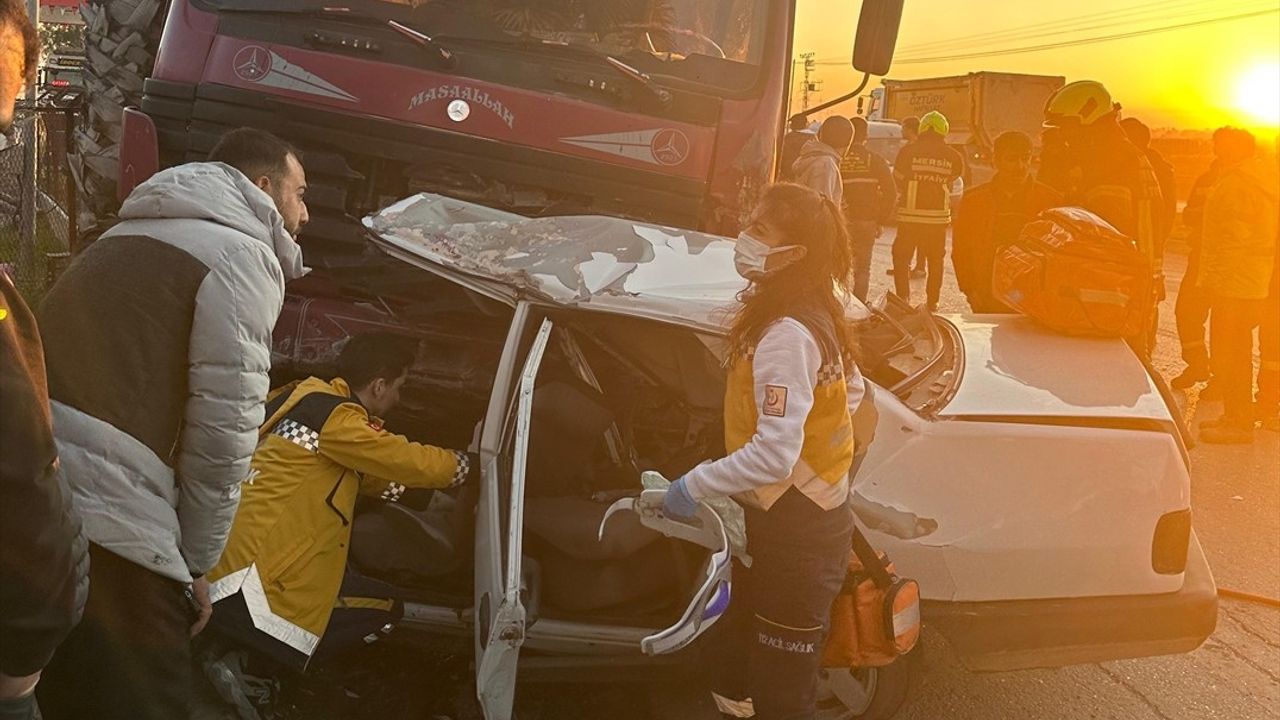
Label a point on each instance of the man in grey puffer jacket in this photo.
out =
(158, 344)
(818, 166)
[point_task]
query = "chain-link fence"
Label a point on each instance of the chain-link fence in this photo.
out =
(37, 199)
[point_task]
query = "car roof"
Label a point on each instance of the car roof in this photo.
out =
(588, 262)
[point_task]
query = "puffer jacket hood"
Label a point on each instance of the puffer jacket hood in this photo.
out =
(218, 193)
(816, 151)
(818, 167)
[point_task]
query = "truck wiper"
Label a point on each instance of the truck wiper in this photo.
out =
(438, 52)
(660, 93)
(638, 77)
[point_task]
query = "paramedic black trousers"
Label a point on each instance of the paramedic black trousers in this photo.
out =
(769, 645)
(130, 656)
(931, 240)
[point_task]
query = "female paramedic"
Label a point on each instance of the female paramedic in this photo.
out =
(791, 387)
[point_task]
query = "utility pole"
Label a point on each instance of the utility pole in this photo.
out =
(810, 86)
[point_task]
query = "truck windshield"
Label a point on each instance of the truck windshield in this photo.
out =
(710, 42)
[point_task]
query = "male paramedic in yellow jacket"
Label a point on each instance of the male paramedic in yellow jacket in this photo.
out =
(279, 579)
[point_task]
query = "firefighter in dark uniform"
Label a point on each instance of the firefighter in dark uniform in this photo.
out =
(925, 170)
(1111, 177)
(869, 199)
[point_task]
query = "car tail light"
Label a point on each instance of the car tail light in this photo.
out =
(1169, 546)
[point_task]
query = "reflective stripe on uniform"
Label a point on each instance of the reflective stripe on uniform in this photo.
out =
(249, 583)
(393, 492)
(1104, 297)
(925, 217)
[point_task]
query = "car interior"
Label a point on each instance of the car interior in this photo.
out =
(614, 396)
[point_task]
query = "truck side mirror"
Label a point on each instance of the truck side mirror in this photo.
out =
(877, 35)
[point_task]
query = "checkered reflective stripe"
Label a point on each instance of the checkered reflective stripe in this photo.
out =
(464, 469)
(393, 493)
(298, 434)
(829, 373)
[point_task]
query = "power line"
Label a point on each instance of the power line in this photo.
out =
(1133, 21)
(1017, 33)
(1082, 41)
(1134, 14)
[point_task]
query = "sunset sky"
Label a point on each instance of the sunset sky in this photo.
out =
(1197, 77)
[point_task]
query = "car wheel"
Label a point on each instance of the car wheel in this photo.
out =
(867, 693)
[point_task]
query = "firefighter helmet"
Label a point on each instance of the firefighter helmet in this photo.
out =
(1083, 102)
(934, 121)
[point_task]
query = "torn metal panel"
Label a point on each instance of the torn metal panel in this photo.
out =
(591, 262)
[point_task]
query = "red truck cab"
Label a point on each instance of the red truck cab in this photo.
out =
(669, 114)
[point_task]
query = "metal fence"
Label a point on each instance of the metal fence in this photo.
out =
(37, 199)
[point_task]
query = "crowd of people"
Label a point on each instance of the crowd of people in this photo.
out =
(1091, 157)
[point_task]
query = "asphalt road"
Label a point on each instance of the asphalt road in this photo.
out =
(1235, 674)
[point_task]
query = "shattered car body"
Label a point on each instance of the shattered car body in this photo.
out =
(1035, 485)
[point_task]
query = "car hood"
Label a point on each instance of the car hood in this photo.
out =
(586, 262)
(1015, 368)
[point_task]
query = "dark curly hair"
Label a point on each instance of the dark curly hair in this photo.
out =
(812, 289)
(13, 14)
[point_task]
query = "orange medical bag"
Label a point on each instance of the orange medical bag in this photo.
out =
(876, 616)
(1074, 273)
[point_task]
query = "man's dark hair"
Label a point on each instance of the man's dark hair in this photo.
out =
(1137, 131)
(798, 123)
(369, 356)
(1234, 144)
(912, 123)
(836, 131)
(859, 128)
(254, 152)
(1012, 142)
(13, 14)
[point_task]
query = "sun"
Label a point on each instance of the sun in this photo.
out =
(1258, 93)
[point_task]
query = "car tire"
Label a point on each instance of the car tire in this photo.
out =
(888, 687)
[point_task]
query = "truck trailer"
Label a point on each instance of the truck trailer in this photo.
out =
(980, 106)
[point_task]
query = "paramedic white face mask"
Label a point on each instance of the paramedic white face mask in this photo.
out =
(750, 256)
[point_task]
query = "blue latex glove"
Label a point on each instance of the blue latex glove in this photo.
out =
(678, 503)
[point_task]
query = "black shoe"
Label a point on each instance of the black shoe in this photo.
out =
(1190, 378)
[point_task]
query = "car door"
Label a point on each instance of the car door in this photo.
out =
(500, 611)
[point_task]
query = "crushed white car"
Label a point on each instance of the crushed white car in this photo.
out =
(1035, 485)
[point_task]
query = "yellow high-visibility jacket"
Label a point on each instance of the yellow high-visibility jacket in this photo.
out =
(287, 550)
